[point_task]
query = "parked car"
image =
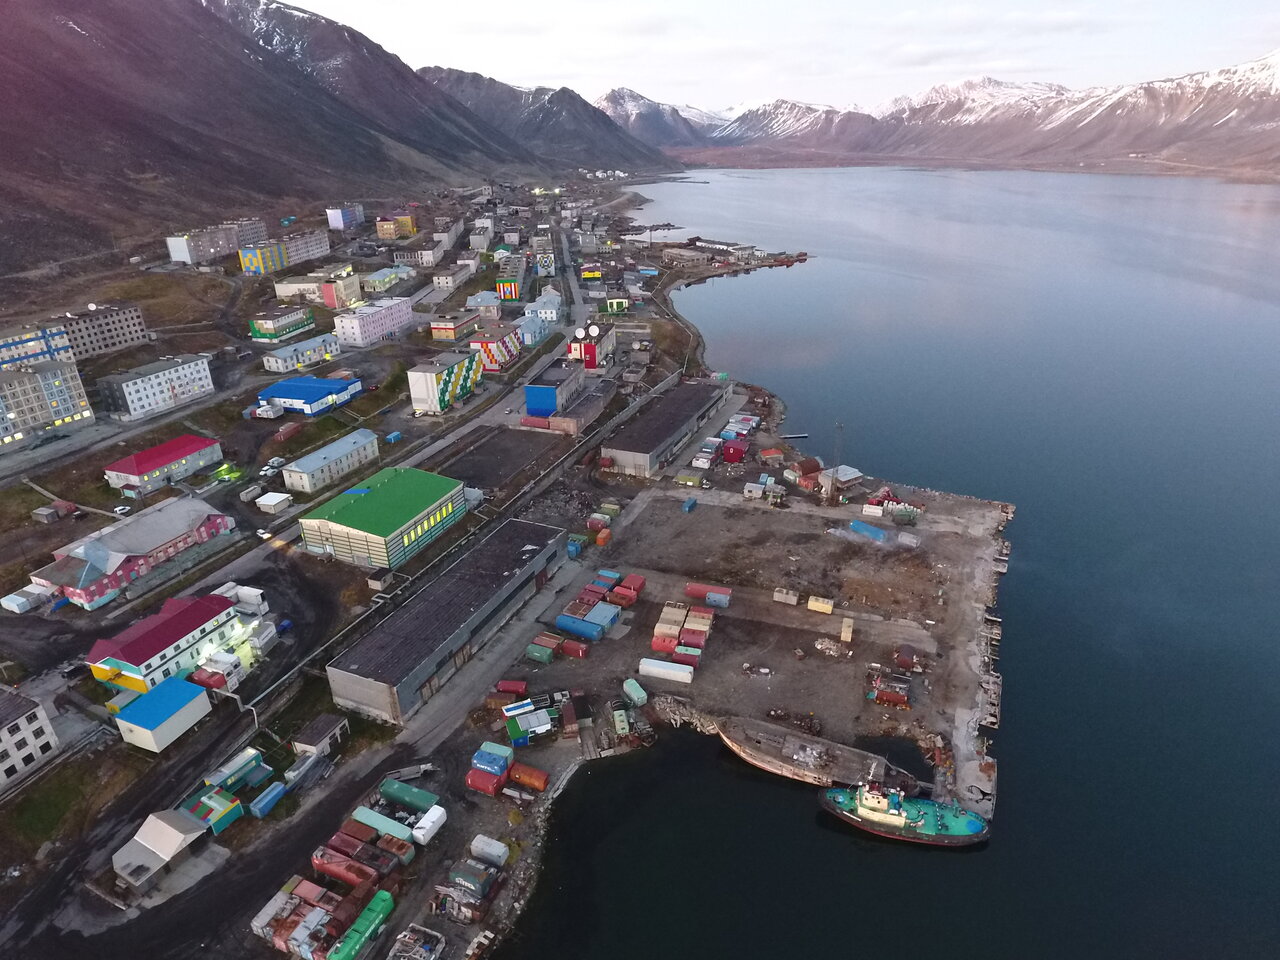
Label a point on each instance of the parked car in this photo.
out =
(264, 534)
(120, 511)
(277, 462)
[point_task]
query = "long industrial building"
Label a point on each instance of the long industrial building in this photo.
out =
(646, 444)
(398, 666)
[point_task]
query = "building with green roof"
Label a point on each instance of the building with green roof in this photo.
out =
(386, 519)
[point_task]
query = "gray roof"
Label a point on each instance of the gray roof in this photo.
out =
(331, 451)
(415, 633)
(302, 346)
(149, 369)
(14, 705)
(665, 417)
(141, 533)
(318, 728)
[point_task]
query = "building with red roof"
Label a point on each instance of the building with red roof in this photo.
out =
(140, 473)
(171, 643)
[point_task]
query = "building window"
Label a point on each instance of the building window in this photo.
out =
(10, 771)
(39, 733)
(45, 748)
(32, 717)
(29, 759)
(4, 755)
(13, 728)
(20, 743)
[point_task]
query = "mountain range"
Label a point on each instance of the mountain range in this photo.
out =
(1221, 121)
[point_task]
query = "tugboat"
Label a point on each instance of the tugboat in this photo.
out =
(887, 812)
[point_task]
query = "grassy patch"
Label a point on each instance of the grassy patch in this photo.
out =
(388, 392)
(314, 433)
(16, 504)
(169, 299)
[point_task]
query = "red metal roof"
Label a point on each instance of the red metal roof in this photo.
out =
(146, 639)
(153, 458)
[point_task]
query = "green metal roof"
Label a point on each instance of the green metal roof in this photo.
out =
(385, 502)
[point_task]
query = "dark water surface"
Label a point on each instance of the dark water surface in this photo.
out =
(1105, 353)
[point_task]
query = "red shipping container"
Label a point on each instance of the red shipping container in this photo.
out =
(518, 687)
(551, 643)
(541, 422)
(702, 611)
(665, 644)
(568, 721)
(361, 831)
(496, 701)
(634, 582)
(692, 638)
(335, 865)
(621, 598)
(891, 698)
(352, 906)
(311, 892)
(688, 659)
(574, 648)
(486, 783)
(346, 844)
(595, 525)
(699, 591)
(528, 776)
(591, 598)
(595, 590)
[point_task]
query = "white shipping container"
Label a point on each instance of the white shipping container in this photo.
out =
(429, 825)
(277, 906)
(782, 595)
(872, 510)
(752, 491)
(489, 850)
(667, 629)
(661, 670)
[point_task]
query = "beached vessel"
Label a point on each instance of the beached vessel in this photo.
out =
(809, 759)
(887, 812)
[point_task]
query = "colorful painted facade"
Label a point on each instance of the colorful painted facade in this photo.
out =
(170, 643)
(544, 265)
(435, 387)
(498, 345)
(508, 289)
(263, 259)
(281, 323)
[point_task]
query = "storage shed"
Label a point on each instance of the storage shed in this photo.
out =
(163, 714)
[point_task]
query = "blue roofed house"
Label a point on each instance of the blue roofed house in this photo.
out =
(487, 304)
(307, 395)
(160, 716)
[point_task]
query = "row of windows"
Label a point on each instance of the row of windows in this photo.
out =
(428, 523)
(12, 770)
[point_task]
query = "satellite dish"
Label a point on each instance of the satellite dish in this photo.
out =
(93, 306)
(593, 330)
(579, 333)
(635, 345)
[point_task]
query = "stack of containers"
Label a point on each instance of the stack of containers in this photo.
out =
(549, 640)
(711, 596)
(666, 632)
(539, 654)
(489, 765)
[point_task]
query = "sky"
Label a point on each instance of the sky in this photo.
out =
(714, 54)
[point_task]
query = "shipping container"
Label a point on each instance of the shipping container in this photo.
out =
(667, 630)
(574, 648)
(692, 638)
(490, 851)
(685, 659)
(361, 831)
(603, 538)
(346, 913)
(528, 776)
(384, 825)
(402, 850)
(429, 825)
(366, 927)
(489, 763)
(407, 796)
(690, 651)
(846, 630)
(515, 709)
(251, 492)
(890, 698)
(578, 608)
(782, 595)
(540, 422)
(604, 614)
(574, 549)
(602, 518)
(551, 643)
(473, 876)
(634, 582)
(612, 577)
(689, 504)
(621, 597)
(332, 864)
(868, 531)
(518, 687)
(611, 509)
(538, 654)
(379, 860)
(635, 693)
(661, 670)
(347, 845)
(717, 599)
(267, 799)
(394, 437)
(821, 604)
(486, 783)
(872, 510)
(580, 628)
(699, 591)
(664, 644)
(287, 431)
(498, 750)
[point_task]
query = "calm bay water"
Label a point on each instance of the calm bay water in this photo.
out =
(1103, 352)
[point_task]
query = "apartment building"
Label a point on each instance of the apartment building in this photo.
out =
(421, 256)
(447, 233)
(155, 387)
(331, 462)
(304, 353)
(26, 736)
(451, 278)
(40, 396)
(335, 287)
(204, 244)
(260, 259)
(345, 216)
(383, 280)
(377, 320)
(103, 328)
(281, 323)
(21, 346)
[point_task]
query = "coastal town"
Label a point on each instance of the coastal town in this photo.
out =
(337, 542)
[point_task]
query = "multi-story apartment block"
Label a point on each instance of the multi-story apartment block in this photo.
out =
(261, 259)
(40, 396)
(498, 345)
(345, 216)
(378, 320)
(155, 387)
(331, 462)
(421, 256)
(335, 287)
(248, 231)
(25, 345)
(26, 737)
(438, 384)
(383, 280)
(281, 323)
(104, 328)
(451, 278)
(204, 244)
(544, 255)
(448, 233)
(303, 354)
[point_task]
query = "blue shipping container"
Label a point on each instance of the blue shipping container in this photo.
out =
(867, 530)
(605, 614)
(267, 799)
(717, 599)
(611, 575)
(689, 504)
(489, 762)
(579, 628)
(394, 437)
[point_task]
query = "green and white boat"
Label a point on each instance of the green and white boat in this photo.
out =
(887, 812)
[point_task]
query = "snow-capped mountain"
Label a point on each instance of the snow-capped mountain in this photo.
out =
(779, 120)
(657, 124)
(704, 120)
(970, 100)
(554, 123)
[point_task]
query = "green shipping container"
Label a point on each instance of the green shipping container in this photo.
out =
(634, 692)
(408, 796)
(692, 651)
(539, 654)
(498, 749)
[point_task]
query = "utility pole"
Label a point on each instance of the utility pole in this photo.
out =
(835, 463)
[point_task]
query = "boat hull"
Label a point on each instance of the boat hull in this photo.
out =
(897, 833)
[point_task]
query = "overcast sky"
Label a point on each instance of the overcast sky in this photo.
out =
(713, 53)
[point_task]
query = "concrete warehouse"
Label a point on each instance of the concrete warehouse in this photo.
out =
(390, 672)
(386, 519)
(647, 444)
(331, 462)
(307, 395)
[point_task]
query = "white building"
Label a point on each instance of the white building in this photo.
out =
(249, 230)
(451, 278)
(156, 719)
(103, 328)
(155, 387)
(434, 386)
(332, 461)
(549, 306)
(204, 244)
(378, 320)
(345, 216)
(487, 304)
(303, 354)
(480, 239)
(533, 329)
(421, 256)
(26, 737)
(449, 235)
